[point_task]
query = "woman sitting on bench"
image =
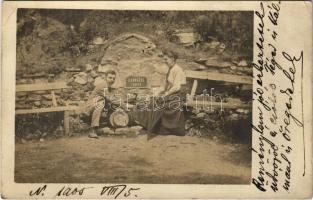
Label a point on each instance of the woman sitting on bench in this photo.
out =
(166, 111)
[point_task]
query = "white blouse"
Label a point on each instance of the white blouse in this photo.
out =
(176, 76)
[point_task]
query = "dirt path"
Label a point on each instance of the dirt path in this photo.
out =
(164, 159)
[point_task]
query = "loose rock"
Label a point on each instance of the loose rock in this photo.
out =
(136, 128)
(47, 96)
(88, 68)
(233, 67)
(80, 80)
(98, 40)
(243, 63)
(240, 111)
(106, 131)
(201, 115)
(98, 80)
(37, 103)
(121, 131)
(93, 74)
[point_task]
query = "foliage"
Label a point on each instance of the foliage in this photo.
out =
(232, 28)
(64, 35)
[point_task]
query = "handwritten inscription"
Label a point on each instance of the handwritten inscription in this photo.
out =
(38, 191)
(274, 103)
(114, 191)
(117, 190)
(72, 191)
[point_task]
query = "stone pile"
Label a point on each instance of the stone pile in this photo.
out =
(214, 64)
(81, 83)
(185, 37)
(132, 131)
(38, 99)
(216, 61)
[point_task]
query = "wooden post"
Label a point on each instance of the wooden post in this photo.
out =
(54, 101)
(66, 123)
(194, 88)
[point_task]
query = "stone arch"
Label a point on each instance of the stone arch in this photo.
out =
(134, 55)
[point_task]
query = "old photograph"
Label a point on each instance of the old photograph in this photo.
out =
(133, 96)
(156, 100)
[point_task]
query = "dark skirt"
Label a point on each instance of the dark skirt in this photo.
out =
(164, 115)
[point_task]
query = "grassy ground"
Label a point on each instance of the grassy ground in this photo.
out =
(163, 159)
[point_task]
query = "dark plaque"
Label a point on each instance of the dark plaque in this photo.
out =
(136, 82)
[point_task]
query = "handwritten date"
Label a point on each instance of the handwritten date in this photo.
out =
(114, 191)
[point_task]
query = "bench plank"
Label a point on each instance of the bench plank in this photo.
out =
(42, 110)
(208, 104)
(40, 86)
(214, 76)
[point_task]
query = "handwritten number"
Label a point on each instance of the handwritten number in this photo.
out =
(129, 192)
(68, 191)
(112, 190)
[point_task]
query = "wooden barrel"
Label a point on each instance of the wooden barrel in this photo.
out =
(119, 118)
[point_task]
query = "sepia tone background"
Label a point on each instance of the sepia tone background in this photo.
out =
(295, 25)
(74, 45)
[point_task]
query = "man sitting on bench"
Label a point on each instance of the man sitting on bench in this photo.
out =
(98, 100)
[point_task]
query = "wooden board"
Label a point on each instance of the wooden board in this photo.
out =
(208, 104)
(40, 86)
(214, 76)
(42, 110)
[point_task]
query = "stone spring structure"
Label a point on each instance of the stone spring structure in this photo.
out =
(129, 55)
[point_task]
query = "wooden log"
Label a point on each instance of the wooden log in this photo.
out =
(119, 118)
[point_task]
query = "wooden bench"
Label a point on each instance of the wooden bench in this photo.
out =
(195, 75)
(219, 77)
(55, 108)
